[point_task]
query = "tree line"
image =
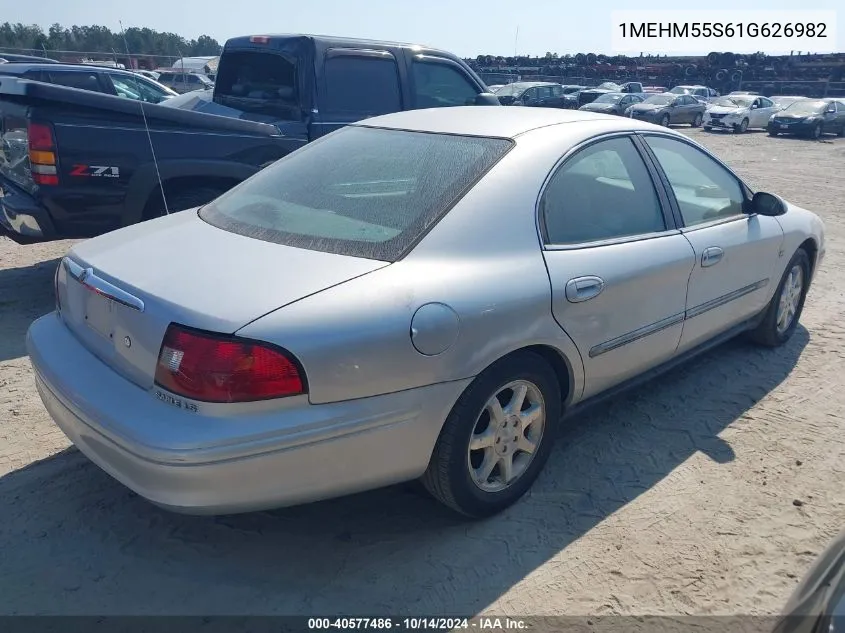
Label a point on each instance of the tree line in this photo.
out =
(139, 41)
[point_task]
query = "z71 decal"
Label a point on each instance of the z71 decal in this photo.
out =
(95, 171)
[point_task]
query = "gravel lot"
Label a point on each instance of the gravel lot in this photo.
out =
(709, 491)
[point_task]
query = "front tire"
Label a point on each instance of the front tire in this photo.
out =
(742, 128)
(664, 120)
(497, 437)
(697, 121)
(785, 308)
(816, 133)
(707, 128)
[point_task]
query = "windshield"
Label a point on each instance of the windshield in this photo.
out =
(785, 101)
(660, 99)
(806, 107)
(608, 98)
(734, 102)
(365, 192)
(609, 85)
(259, 82)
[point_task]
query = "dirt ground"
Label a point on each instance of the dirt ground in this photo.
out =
(709, 491)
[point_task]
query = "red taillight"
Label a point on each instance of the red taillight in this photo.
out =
(42, 154)
(259, 39)
(215, 368)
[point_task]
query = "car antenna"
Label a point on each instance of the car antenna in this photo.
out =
(144, 116)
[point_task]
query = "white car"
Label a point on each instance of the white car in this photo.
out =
(739, 112)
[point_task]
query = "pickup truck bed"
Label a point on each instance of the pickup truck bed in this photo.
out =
(103, 149)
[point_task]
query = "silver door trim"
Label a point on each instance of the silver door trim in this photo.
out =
(661, 325)
(630, 337)
(727, 298)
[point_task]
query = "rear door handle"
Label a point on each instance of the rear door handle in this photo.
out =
(710, 256)
(583, 288)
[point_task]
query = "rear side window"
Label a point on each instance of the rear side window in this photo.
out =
(258, 82)
(362, 85)
(76, 79)
(360, 191)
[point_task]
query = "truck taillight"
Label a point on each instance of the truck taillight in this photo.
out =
(218, 368)
(42, 154)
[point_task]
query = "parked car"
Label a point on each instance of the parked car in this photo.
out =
(110, 81)
(182, 81)
(668, 108)
(702, 93)
(385, 347)
(570, 95)
(739, 113)
(817, 605)
(613, 102)
(69, 179)
(810, 117)
(589, 95)
(783, 102)
(537, 94)
(654, 89)
(495, 87)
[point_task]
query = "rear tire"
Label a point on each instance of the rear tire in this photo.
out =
(455, 474)
(769, 333)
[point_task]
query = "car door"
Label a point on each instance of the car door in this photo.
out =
(766, 108)
(617, 265)
(737, 256)
(354, 85)
(831, 116)
(693, 107)
(624, 102)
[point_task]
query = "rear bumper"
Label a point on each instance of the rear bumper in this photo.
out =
(22, 217)
(791, 128)
(208, 463)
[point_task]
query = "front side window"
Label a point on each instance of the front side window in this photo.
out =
(704, 189)
(441, 85)
(135, 88)
(365, 192)
(602, 192)
(362, 86)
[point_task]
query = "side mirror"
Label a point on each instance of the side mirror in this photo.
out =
(754, 106)
(831, 109)
(768, 204)
(486, 98)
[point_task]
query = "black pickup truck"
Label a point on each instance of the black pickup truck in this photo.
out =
(75, 164)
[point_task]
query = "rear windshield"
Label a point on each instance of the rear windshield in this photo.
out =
(258, 82)
(365, 192)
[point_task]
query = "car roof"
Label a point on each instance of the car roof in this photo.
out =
(491, 121)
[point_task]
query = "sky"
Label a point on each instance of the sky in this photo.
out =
(467, 28)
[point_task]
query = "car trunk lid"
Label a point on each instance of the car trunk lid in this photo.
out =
(120, 291)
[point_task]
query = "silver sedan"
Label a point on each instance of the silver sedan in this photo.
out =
(419, 295)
